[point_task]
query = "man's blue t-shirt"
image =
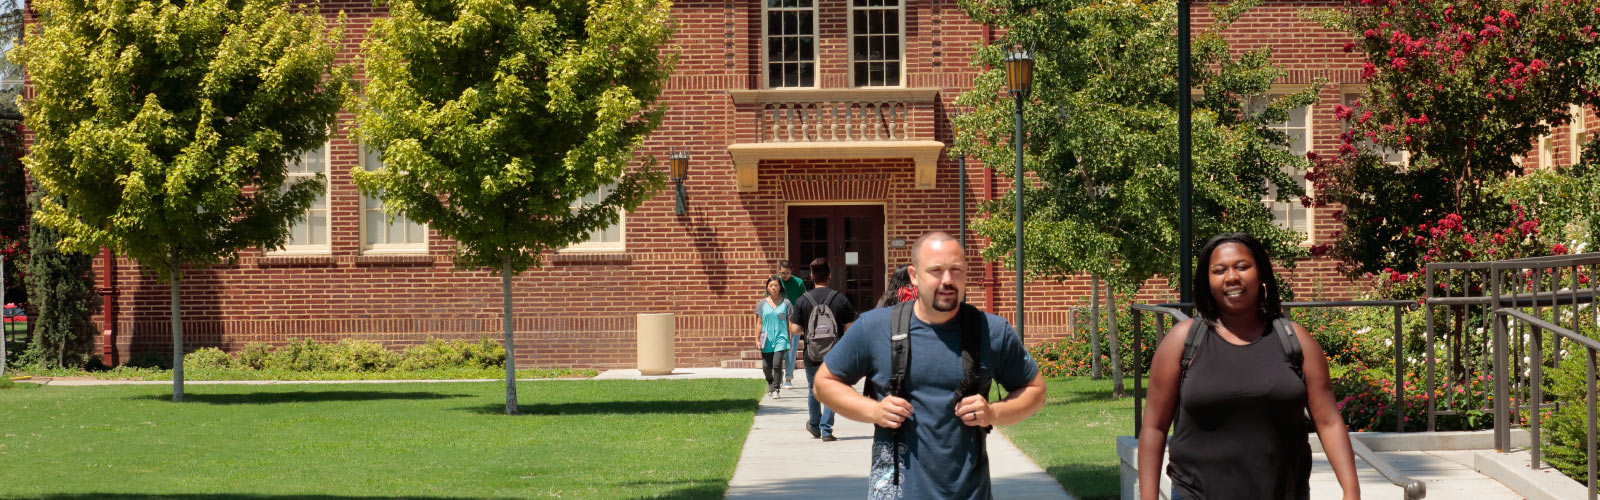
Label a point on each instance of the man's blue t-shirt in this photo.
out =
(944, 459)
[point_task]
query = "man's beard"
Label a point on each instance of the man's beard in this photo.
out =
(943, 305)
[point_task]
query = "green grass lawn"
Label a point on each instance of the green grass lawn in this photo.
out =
(1074, 436)
(577, 439)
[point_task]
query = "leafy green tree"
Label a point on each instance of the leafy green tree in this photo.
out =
(164, 130)
(1101, 126)
(494, 116)
(63, 300)
(1465, 88)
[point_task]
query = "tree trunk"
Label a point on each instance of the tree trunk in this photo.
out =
(177, 339)
(1117, 390)
(511, 358)
(1094, 328)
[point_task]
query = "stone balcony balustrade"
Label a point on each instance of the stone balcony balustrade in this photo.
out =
(857, 123)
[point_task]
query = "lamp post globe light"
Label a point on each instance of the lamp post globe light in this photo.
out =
(679, 162)
(1019, 83)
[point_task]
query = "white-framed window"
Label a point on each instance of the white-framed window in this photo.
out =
(1580, 129)
(309, 234)
(1290, 214)
(379, 234)
(609, 239)
(1392, 156)
(877, 43)
(789, 30)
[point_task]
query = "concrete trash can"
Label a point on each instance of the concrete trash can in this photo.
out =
(656, 350)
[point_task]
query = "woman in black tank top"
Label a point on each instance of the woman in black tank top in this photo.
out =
(1239, 405)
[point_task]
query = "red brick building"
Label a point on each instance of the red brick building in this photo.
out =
(800, 145)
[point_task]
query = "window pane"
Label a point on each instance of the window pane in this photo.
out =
(790, 78)
(394, 231)
(875, 21)
(774, 75)
(891, 22)
(774, 23)
(375, 225)
(807, 49)
(861, 74)
(318, 227)
(891, 73)
(807, 78)
(791, 49)
(891, 48)
(804, 19)
(875, 48)
(415, 233)
(860, 49)
(859, 19)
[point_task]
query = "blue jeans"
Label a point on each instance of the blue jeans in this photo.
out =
(788, 365)
(820, 417)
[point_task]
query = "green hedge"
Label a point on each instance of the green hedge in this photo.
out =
(347, 355)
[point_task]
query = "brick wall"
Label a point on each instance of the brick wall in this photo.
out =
(577, 310)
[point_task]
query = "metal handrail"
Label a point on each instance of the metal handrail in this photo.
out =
(1591, 347)
(1138, 350)
(1414, 489)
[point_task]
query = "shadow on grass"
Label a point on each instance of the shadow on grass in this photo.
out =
(701, 491)
(622, 407)
(1089, 482)
(1068, 397)
(231, 497)
(264, 398)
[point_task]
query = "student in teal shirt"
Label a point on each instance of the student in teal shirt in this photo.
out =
(793, 288)
(774, 311)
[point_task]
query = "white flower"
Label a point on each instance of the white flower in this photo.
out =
(1363, 330)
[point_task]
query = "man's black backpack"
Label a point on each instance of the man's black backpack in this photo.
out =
(1200, 329)
(974, 380)
(822, 328)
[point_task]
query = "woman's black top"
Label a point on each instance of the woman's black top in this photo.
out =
(1240, 431)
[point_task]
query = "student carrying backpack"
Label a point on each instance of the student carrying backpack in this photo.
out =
(822, 328)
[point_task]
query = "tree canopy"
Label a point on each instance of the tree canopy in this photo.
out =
(1101, 129)
(164, 131)
(494, 118)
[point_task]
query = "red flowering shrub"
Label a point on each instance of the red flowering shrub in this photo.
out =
(1464, 88)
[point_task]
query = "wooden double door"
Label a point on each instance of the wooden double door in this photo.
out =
(851, 238)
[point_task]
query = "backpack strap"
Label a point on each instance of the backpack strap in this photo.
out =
(1198, 332)
(899, 366)
(1291, 346)
(899, 348)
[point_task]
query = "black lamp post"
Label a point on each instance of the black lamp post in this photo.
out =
(1019, 82)
(679, 161)
(961, 185)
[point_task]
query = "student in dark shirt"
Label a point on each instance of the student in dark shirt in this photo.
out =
(820, 422)
(1239, 407)
(929, 436)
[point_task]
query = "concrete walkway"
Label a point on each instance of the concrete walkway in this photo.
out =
(780, 459)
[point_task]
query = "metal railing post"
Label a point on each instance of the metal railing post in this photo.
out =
(1428, 344)
(1536, 358)
(1399, 373)
(1501, 420)
(1138, 370)
(1592, 429)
